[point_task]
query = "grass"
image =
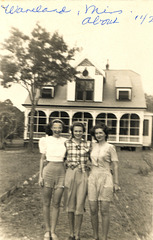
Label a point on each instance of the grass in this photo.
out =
(16, 166)
(136, 178)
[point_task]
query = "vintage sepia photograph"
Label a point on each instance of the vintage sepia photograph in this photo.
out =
(76, 120)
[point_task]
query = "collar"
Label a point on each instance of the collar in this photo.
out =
(72, 140)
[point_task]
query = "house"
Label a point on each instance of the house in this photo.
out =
(115, 97)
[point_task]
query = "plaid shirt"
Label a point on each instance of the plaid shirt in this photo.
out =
(77, 155)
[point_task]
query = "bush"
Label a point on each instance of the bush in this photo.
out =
(144, 171)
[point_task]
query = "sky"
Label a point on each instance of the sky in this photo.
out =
(127, 44)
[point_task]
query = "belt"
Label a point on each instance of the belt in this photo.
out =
(72, 166)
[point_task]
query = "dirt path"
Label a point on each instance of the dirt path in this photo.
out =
(131, 214)
(21, 218)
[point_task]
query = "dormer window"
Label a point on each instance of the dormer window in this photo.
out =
(123, 94)
(84, 90)
(47, 92)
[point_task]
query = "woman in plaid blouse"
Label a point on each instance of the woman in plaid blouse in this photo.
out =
(77, 157)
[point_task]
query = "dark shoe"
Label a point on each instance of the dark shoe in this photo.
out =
(71, 238)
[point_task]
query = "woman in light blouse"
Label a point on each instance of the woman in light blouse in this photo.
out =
(100, 181)
(51, 177)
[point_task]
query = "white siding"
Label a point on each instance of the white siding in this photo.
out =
(71, 91)
(98, 89)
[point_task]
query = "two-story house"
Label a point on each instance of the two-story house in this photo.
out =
(115, 97)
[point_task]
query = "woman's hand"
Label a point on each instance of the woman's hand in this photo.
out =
(116, 187)
(41, 181)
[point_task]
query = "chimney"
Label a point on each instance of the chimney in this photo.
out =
(107, 65)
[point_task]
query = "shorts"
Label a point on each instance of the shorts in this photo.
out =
(76, 184)
(100, 185)
(54, 175)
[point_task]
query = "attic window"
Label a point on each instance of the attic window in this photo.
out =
(123, 94)
(47, 92)
(85, 73)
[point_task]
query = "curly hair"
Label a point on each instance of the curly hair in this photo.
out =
(102, 126)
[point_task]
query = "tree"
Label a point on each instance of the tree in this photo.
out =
(149, 102)
(34, 61)
(7, 106)
(8, 125)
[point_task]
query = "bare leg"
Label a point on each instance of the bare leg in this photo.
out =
(94, 217)
(47, 193)
(104, 208)
(71, 223)
(56, 207)
(78, 223)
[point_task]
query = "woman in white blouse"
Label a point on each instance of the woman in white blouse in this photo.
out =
(51, 176)
(100, 181)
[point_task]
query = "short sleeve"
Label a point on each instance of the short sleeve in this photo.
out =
(42, 145)
(113, 152)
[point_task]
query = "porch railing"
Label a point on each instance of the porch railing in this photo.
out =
(111, 138)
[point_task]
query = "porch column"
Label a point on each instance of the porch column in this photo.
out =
(71, 113)
(47, 115)
(118, 129)
(26, 123)
(141, 130)
(94, 118)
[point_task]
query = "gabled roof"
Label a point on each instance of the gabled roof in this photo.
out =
(109, 97)
(85, 62)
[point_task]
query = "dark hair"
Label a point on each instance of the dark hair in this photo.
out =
(77, 124)
(101, 126)
(48, 127)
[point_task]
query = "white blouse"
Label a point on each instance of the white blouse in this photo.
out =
(54, 148)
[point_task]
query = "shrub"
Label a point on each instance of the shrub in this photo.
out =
(143, 171)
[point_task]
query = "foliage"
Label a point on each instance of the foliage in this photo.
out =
(149, 102)
(8, 126)
(7, 106)
(34, 61)
(144, 171)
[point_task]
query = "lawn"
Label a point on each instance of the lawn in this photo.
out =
(17, 166)
(136, 197)
(131, 211)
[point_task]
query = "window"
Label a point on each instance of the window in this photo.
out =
(47, 92)
(129, 124)
(84, 90)
(145, 127)
(109, 119)
(39, 121)
(123, 94)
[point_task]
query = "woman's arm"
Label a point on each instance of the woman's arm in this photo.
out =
(115, 173)
(43, 157)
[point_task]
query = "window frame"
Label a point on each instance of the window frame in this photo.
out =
(146, 127)
(129, 90)
(51, 92)
(85, 91)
